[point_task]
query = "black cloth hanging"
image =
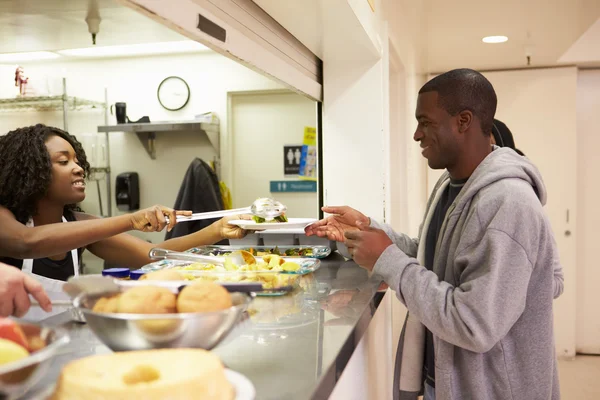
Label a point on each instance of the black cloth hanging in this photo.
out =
(199, 192)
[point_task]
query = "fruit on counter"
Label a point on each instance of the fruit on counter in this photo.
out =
(11, 351)
(163, 275)
(154, 374)
(203, 297)
(10, 330)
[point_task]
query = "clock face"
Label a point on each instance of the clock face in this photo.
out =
(173, 93)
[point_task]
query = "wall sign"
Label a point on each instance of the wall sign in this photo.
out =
(308, 159)
(291, 160)
(293, 186)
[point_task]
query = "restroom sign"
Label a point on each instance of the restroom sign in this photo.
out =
(291, 159)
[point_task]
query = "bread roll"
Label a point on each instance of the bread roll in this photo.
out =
(147, 300)
(203, 297)
(162, 275)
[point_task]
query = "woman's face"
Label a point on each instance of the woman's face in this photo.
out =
(68, 183)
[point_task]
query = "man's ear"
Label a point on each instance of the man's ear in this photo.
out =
(465, 119)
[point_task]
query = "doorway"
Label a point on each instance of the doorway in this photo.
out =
(265, 129)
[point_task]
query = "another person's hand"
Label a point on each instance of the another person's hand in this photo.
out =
(15, 288)
(344, 219)
(367, 245)
(154, 219)
(229, 231)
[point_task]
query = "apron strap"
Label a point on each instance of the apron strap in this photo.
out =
(28, 263)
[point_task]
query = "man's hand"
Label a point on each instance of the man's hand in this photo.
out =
(228, 231)
(15, 288)
(366, 245)
(344, 219)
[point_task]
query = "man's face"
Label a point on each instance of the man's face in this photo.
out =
(437, 132)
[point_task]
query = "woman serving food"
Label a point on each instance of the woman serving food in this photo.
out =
(42, 179)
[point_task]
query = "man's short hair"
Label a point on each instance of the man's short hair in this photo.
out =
(465, 89)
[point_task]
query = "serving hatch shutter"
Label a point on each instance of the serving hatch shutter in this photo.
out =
(242, 31)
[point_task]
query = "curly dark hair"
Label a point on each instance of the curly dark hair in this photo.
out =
(26, 169)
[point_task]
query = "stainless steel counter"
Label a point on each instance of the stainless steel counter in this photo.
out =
(294, 347)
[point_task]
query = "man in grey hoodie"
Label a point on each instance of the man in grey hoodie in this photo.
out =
(479, 281)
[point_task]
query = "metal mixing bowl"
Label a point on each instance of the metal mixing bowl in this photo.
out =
(125, 332)
(16, 378)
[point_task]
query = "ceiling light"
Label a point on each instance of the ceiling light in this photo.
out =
(29, 56)
(185, 46)
(494, 39)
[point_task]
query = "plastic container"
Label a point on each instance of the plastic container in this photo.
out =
(136, 274)
(117, 273)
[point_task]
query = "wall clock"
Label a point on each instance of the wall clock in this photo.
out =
(173, 93)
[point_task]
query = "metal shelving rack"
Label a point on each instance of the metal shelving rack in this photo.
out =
(65, 104)
(146, 133)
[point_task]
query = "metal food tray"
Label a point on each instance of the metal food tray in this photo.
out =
(275, 283)
(317, 251)
(307, 266)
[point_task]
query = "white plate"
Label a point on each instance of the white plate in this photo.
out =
(293, 223)
(244, 389)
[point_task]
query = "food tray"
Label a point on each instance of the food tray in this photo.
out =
(274, 283)
(307, 266)
(286, 251)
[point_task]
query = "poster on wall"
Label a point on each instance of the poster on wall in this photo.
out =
(308, 157)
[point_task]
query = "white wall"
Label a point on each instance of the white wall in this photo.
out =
(135, 81)
(261, 125)
(588, 192)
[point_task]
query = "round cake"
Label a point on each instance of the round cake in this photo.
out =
(174, 374)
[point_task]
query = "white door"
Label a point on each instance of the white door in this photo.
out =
(261, 125)
(539, 107)
(588, 273)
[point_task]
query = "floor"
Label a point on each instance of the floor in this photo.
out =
(580, 378)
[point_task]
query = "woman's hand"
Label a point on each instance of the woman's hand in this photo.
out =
(228, 231)
(154, 219)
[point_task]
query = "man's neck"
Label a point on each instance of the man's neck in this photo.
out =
(468, 164)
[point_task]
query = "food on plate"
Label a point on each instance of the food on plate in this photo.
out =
(247, 257)
(11, 351)
(261, 220)
(265, 271)
(269, 263)
(10, 330)
(147, 300)
(203, 297)
(107, 304)
(180, 374)
(17, 343)
(162, 275)
(290, 252)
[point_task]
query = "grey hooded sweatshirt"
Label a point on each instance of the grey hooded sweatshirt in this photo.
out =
(488, 300)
